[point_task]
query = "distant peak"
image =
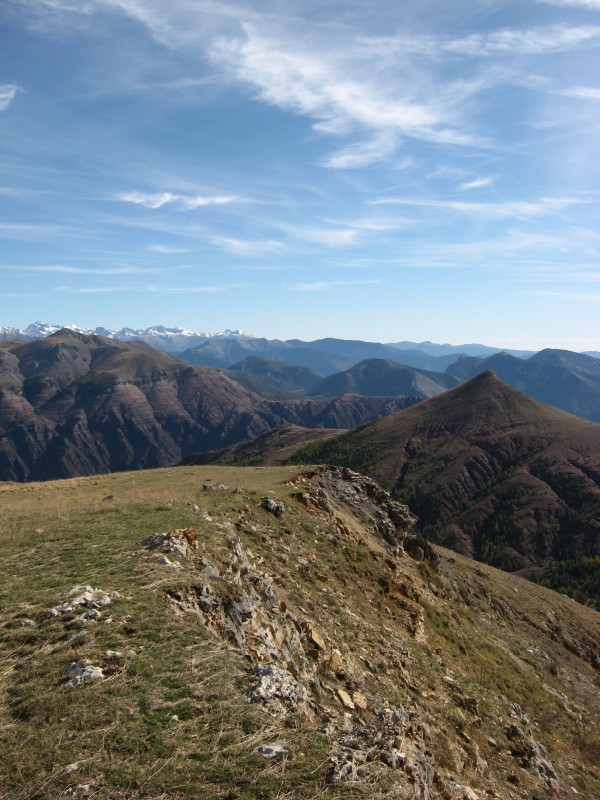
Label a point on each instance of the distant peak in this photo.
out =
(488, 375)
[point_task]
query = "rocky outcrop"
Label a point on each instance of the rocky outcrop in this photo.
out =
(326, 489)
(294, 668)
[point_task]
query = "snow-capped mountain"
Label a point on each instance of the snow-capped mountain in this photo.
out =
(173, 340)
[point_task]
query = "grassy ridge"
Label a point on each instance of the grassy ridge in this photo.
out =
(455, 649)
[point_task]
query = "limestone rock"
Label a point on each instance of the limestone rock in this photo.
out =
(275, 689)
(166, 562)
(277, 750)
(179, 541)
(275, 507)
(85, 596)
(79, 672)
(316, 639)
(345, 699)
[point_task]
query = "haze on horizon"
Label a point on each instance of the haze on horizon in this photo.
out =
(302, 169)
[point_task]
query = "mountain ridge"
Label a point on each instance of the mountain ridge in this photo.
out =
(261, 633)
(487, 470)
(567, 380)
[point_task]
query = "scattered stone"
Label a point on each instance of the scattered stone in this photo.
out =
(342, 768)
(371, 504)
(118, 655)
(82, 672)
(275, 689)
(360, 700)
(70, 768)
(277, 750)
(275, 507)
(90, 617)
(345, 699)
(469, 794)
(166, 562)
(28, 623)
(207, 567)
(530, 753)
(215, 487)
(78, 791)
(84, 596)
(316, 639)
(179, 541)
(75, 639)
(336, 663)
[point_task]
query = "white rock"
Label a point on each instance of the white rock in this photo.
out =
(166, 562)
(82, 672)
(277, 750)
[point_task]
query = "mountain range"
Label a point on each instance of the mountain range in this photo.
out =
(177, 339)
(173, 340)
(74, 404)
(567, 380)
(373, 377)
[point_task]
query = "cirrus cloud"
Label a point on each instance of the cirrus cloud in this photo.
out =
(155, 200)
(8, 92)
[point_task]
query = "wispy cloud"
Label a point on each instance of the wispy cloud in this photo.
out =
(167, 250)
(242, 247)
(519, 209)
(592, 5)
(190, 289)
(535, 40)
(477, 183)
(59, 268)
(328, 237)
(322, 286)
(582, 92)
(532, 41)
(363, 154)
(20, 295)
(34, 230)
(8, 92)
(118, 289)
(338, 92)
(187, 202)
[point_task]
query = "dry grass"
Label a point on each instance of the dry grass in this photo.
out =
(171, 721)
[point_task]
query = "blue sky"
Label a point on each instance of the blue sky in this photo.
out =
(303, 168)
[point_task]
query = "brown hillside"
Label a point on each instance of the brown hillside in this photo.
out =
(73, 404)
(488, 470)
